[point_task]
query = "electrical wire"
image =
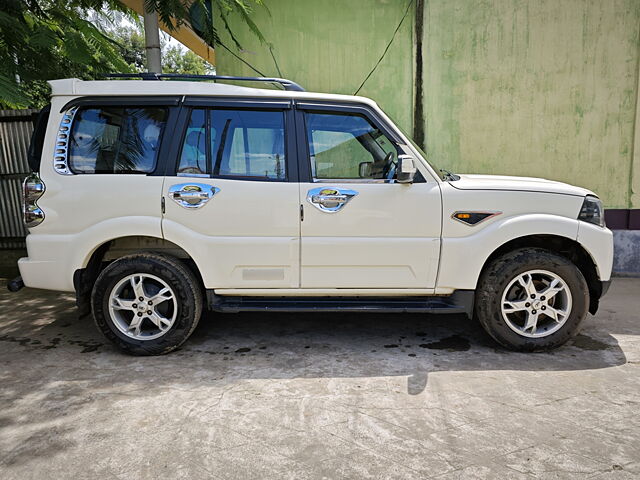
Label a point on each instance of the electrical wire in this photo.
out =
(384, 53)
(387, 47)
(251, 66)
(241, 59)
(275, 61)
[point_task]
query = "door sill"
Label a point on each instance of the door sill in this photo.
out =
(324, 292)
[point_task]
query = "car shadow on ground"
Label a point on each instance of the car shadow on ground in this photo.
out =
(300, 345)
(57, 366)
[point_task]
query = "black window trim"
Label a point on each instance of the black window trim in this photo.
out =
(237, 102)
(36, 144)
(177, 145)
(353, 108)
(108, 101)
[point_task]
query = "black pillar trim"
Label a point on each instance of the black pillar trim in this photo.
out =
(418, 106)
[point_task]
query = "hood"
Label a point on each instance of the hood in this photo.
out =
(526, 184)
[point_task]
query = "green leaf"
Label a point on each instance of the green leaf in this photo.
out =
(11, 95)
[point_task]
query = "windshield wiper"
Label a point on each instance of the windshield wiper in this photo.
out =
(452, 177)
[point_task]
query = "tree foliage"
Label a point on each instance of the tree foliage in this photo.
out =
(174, 58)
(131, 47)
(47, 39)
(175, 13)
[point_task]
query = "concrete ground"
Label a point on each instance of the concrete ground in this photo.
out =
(317, 396)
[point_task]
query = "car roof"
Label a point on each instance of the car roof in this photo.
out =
(75, 87)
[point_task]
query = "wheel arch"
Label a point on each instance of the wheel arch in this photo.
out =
(112, 249)
(564, 246)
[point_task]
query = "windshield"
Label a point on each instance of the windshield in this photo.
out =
(442, 173)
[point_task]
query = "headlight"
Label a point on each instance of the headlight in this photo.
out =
(592, 211)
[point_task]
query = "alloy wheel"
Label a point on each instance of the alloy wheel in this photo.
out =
(536, 303)
(143, 306)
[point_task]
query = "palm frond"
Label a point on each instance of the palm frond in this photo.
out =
(11, 95)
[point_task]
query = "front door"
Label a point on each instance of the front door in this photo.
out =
(360, 228)
(232, 202)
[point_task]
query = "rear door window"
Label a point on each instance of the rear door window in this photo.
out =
(240, 144)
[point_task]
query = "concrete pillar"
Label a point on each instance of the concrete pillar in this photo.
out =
(152, 42)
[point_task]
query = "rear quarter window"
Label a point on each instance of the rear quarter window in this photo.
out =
(116, 139)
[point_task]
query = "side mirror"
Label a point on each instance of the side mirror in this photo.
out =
(406, 169)
(365, 169)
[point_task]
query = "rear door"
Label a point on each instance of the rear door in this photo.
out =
(232, 199)
(361, 229)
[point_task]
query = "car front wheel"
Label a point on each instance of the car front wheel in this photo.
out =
(531, 299)
(146, 304)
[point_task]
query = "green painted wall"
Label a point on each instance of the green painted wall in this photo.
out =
(331, 46)
(542, 88)
(522, 87)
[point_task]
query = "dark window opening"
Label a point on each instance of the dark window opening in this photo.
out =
(116, 139)
(234, 143)
(346, 146)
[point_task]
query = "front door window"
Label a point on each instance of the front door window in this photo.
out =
(345, 146)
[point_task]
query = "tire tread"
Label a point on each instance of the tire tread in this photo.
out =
(495, 278)
(185, 282)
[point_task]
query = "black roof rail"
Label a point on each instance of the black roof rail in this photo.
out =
(286, 84)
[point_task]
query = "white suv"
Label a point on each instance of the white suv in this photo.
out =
(155, 199)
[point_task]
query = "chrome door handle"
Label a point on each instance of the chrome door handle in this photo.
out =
(329, 200)
(192, 195)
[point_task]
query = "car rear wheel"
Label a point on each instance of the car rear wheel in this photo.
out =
(147, 304)
(531, 299)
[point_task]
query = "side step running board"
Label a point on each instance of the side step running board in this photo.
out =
(460, 302)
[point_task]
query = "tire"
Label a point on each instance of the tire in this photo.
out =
(511, 323)
(116, 307)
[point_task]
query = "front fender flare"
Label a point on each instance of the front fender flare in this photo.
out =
(462, 258)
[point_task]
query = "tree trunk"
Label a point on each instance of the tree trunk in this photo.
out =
(152, 42)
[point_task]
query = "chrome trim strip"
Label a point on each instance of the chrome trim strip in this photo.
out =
(61, 150)
(193, 175)
(353, 180)
(490, 214)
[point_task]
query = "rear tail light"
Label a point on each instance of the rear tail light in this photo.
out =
(32, 189)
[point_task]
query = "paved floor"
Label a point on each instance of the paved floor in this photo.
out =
(317, 396)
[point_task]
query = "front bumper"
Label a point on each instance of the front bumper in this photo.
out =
(598, 242)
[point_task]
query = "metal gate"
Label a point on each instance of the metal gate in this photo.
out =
(15, 133)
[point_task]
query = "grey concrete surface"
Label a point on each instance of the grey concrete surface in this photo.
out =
(626, 252)
(317, 396)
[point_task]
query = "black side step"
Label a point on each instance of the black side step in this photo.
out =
(460, 302)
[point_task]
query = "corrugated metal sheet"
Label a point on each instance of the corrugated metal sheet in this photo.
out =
(15, 133)
(10, 208)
